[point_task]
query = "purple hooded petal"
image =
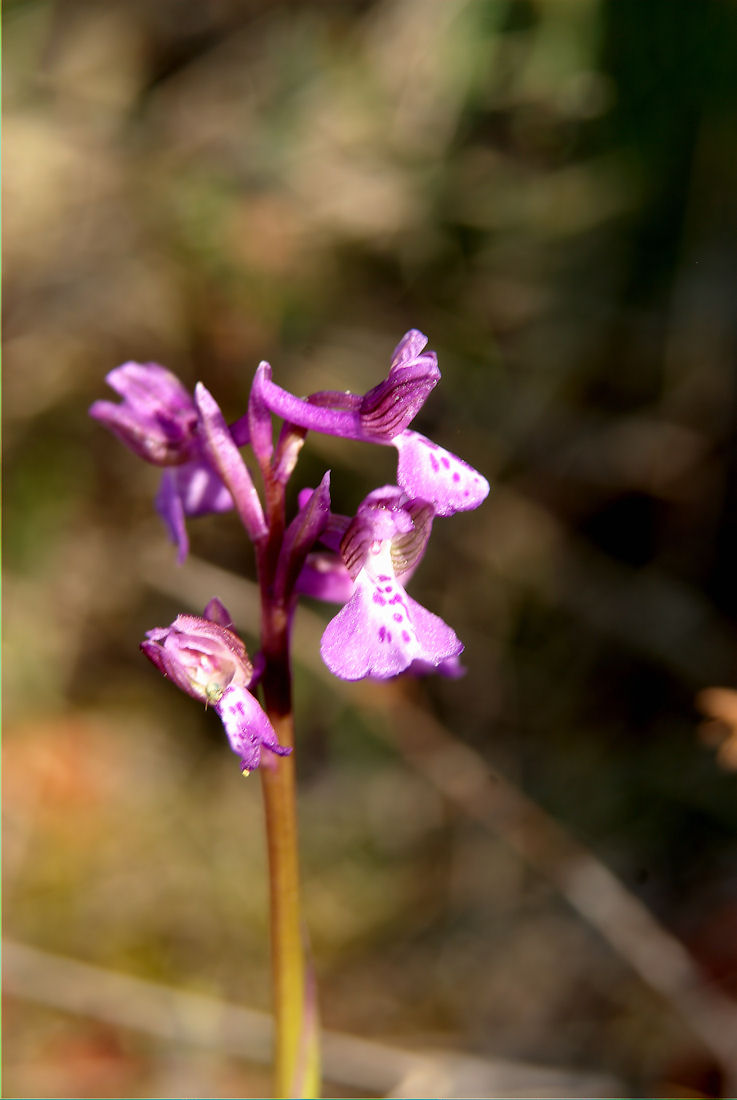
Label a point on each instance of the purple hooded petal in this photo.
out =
(382, 630)
(379, 415)
(156, 419)
(149, 387)
(225, 457)
(429, 472)
(388, 408)
(408, 548)
(248, 729)
(381, 517)
(409, 347)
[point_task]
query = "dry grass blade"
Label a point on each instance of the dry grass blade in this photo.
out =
(196, 1020)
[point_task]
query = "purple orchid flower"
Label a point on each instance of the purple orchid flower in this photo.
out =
(205, 657)
(425, 471)
(160, 422)
(381, 631)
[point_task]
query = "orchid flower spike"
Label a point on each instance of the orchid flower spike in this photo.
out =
(205, 657)
(381, 631)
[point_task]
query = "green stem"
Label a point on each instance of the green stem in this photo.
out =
(286, 940)
(296, 1054)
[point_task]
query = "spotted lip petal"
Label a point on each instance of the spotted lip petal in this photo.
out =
(428, 472)
(381, 631)
(249, 730)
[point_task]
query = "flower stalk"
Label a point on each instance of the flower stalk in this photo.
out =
(293, 1032)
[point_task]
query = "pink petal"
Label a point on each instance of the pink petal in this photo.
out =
(428, 472)
(382, 630)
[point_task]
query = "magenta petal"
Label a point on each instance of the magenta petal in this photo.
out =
(217, 612)
(409, 347)
(332, 420)
(248, 729)
(171, 509)
(379, 415)
(259, 417)
(193, 489)
(225, 457)
(388, 408)
(149, 386)
(300, 536)
(156, 418)
(201, 489)
(382, 630)
(428, 472)
(325, 577)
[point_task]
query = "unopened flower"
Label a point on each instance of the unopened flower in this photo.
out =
(205, 657)
(381, 631)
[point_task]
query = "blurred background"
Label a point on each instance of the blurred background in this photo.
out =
(549, 191)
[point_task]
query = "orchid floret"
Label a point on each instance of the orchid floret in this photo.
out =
(381, 631)
(206, 659)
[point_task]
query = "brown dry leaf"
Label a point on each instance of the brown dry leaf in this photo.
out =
(720, 732)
